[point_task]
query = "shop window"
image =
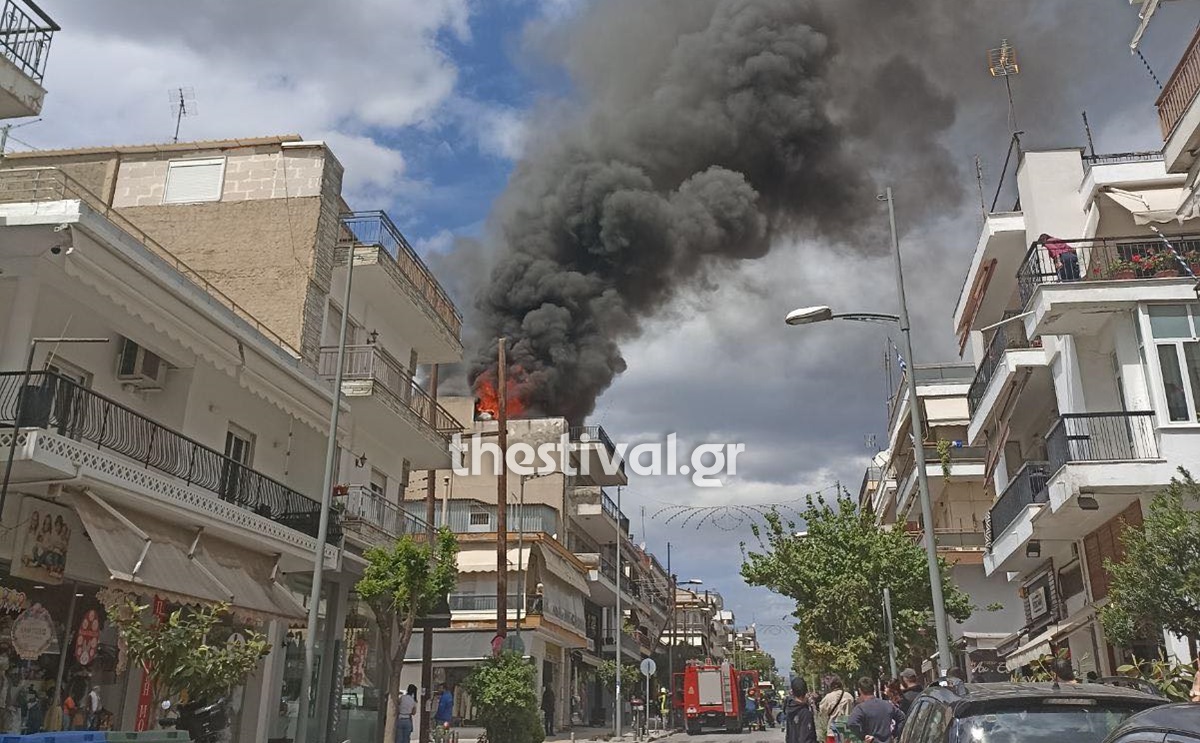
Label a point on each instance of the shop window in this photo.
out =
(1175, 329)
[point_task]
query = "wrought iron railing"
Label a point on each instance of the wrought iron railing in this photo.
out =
(480, 601)
(57, 404)
(25, 35)
(1106, 259)
(1121, 158)
(1007, 336)
(20, 185)
(596, 434)
(1102, 437)
(608, 568)
(370, 362)
(376, 229)
(1181, 88)
(1026, 487)
(359, 504)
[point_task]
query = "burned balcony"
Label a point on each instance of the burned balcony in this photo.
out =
(72, 413)
(25, 35)
(370, 371)
(387, 267)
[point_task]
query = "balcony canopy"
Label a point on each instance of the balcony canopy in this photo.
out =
(1150, 206)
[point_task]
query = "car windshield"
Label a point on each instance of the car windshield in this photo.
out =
(1082, 724)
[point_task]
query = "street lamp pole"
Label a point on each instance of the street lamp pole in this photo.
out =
(918, 432)
(620, 625)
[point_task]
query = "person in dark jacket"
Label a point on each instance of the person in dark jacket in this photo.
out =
(798, 715)
(874, 720)
(911, 688)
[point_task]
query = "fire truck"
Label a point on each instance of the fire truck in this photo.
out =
(714, 695)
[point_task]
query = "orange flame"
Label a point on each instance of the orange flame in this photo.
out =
(487, 399)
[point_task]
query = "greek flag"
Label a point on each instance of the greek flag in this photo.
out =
(899, 357)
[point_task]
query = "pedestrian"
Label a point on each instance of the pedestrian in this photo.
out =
(445, 706)
(405, 709)
(1066, 260)
(799, 726)
(548, 710)
(833, 707)
(1195, 695)
(664, 707)
(874, 720)
(911, 688)
(1062, 671)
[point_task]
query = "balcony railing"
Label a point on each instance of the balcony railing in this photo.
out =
(1181, 88)
(57, 404)
(360, 505)
(1101, 437)
(1027, 487)
(1008, 336)
(1121, 158)
(25, 35)
(596, 434)
(376, 229)
(1106, 259)
(20, 185)
(372, 363)
(609, 506)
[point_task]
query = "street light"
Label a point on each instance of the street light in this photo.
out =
(810, 315)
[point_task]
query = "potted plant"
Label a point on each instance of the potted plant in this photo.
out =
(1124, 269)
(1162, 264)
(339, 490)
(1192, 257)
(192, 651)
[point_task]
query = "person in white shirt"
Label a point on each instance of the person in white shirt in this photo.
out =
(405, 709)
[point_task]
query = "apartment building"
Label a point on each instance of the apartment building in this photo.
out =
(1087, 391)
(702, 623)
(564, 533)
(215, 270)
(960, 499)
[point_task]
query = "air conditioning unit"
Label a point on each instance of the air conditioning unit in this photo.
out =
(139, 368)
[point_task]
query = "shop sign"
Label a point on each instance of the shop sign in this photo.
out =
(32, 632)
(87, 639)
(1037, 602)
(41, 541)
(146, 693)
(986, 666)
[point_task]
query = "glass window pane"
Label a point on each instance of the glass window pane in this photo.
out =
(1169, 321)
(1191, 355)
(1168, 362)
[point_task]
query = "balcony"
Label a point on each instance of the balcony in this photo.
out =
(595, 511)
(1007, 337)
(474, 517)
(597, 457)
(1013, 371)
(370, 371)
(1178, 114)
(1026, 488)
(25, 36)
(372, 519)
(1101, 437)
(68, 414)
(384, 263)
(631, 643)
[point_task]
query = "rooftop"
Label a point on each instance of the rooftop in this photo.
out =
(204, 144)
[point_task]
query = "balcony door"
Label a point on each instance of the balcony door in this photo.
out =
(239, 455)
(70, 398)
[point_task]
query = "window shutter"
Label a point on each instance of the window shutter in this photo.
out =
(194, 180)
(1097, 576)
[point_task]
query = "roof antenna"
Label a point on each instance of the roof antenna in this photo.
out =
(183, 103)
(1088, 129)
(1002, 62)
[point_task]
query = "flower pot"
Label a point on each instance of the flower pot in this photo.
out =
(205, 722)
(1195, 268)
(1124, 273)
(1166, 273)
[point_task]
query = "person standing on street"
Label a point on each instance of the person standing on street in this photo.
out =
(548, 710)
(910, 689)
(874, 720)
(405, 709)
(445, 706)
(1063, 673)
(834, 706)
(799, 726)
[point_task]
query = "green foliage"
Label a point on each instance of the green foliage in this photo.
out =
(190, 650)
(1171, 677)
(630, 675)
(757, 661)
(994, 606)
(943, 450)
(507, 704)
(836, 575)
(1157, 585)
(1041, 669)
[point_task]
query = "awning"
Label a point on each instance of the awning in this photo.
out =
(484, 560)
(558, 566)
(1158, 205)
(454, 646)
(148, 555)
(1030, 651)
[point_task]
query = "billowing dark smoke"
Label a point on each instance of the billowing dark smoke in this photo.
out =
(707, 128)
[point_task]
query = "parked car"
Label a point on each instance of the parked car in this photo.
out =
(1022, 713)
(1170, 723)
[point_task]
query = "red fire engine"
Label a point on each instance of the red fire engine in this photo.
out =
(712, 695)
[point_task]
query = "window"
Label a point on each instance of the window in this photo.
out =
(1175, 329)
(480, 518)
(378, 483)
(1070, 580)
(189, 181)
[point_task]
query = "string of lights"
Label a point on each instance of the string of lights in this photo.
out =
(731, 517)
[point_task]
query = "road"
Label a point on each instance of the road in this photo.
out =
(714, 736)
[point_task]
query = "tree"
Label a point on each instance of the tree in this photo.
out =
(1157, 584)
(607, 673)
(502, 690)
(401, 583)
(836, 575)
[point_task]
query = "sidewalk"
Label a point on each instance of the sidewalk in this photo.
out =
(470, 735)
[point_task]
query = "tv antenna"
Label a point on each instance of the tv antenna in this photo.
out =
(183, 103)
(1002, 62)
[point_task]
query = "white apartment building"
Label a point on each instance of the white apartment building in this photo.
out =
(1087, 399)
(185, 455)
(960, 499)
(564, 532)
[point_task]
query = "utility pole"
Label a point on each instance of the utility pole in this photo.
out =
(671, 644)
(502, 498)
(620, 623)
(427, 630)
(891, 631)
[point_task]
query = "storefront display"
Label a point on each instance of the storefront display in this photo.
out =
(41, 546)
